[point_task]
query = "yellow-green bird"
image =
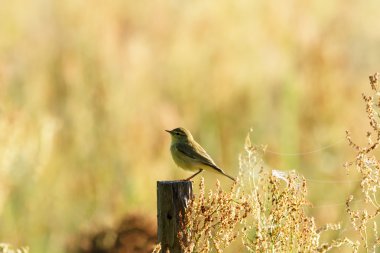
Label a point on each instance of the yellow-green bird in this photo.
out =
(189, 155)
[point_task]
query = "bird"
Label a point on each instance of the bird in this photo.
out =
(189, 155)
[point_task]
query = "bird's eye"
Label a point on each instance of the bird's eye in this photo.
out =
(177, 133)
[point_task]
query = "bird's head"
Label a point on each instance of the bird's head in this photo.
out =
(180, 134)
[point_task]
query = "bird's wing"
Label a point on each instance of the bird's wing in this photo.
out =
(199, 155)
(196, 153)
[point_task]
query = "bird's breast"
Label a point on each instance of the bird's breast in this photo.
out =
(182, 160)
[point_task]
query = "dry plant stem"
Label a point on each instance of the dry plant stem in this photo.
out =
(157, 248)
(278, 222)
(368, 167)
(210, 221)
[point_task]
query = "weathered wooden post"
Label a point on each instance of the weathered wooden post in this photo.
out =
(172, 198)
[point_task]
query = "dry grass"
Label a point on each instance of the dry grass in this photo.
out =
(210, 221)
(279, 221)
(367, 165)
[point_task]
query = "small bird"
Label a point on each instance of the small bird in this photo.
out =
(189, 155)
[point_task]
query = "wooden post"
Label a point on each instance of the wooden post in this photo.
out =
(172, 198)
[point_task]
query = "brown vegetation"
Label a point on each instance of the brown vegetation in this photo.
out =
(134, 234)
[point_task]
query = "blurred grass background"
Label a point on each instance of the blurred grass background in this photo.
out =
(87, 88)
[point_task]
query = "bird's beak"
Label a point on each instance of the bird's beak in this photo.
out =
(168, 131)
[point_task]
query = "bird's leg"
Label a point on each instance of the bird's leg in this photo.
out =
(187, 179)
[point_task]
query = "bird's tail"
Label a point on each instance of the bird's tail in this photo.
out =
(230, 177)
(222, 172)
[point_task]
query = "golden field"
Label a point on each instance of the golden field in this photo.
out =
(88, 88)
